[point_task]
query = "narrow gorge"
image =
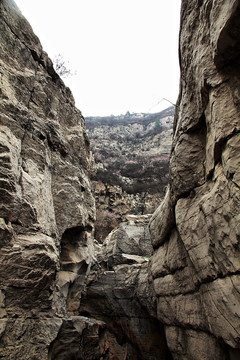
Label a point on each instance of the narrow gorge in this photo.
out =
(160, 286)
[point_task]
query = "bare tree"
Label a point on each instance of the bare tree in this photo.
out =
(162, 99)
(61, 67)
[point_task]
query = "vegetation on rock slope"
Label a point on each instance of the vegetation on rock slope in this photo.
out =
(132, 154)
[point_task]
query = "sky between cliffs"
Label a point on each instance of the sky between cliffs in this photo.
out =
(125, 52)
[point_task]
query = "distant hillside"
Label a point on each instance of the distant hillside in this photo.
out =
(127, 119)
(132, 153)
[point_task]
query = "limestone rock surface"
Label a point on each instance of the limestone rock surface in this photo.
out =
(46, 204)
(167, 291)
(62, 294)
(195, 231)
(120, 294)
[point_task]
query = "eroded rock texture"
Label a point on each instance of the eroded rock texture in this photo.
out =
(195, 231)
(64, 296)
(47, 208)
(120, 294)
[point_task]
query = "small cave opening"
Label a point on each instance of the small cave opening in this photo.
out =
(73, 235)
(73, 266)
(72, 240)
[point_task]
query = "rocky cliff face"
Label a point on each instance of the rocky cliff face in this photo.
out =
(62, 295)
(47, 208)
(157, 292)
(132, 154)
(120, 294)
(195, 231)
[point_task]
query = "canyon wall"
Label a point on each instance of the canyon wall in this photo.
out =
(62, 295)
(195, 232)
(170, 293)
(47, 209)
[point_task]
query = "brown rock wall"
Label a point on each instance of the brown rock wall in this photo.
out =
(196, 261)
(46, 205)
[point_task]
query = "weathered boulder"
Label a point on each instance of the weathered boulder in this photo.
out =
(130, 238)
(195, 232)
(47, 208)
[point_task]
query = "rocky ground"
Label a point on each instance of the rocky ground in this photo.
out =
(132, 155)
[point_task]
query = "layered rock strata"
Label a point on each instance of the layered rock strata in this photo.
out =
(47, 208)
(195, 231)
(119, 293)
(117, 316)
(62, 295)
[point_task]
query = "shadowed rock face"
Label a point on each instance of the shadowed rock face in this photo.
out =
(116, 318)
(195, 231)
(119, 293)
(47, 208)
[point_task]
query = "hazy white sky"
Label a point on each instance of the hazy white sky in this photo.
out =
(125, 52)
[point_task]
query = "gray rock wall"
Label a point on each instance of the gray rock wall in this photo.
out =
(195, 231)
(62, 295)
(59, 297)
(120, 294)
(47, 208)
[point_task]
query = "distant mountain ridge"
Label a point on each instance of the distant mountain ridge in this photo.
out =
(132, 153)
(128, 118)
